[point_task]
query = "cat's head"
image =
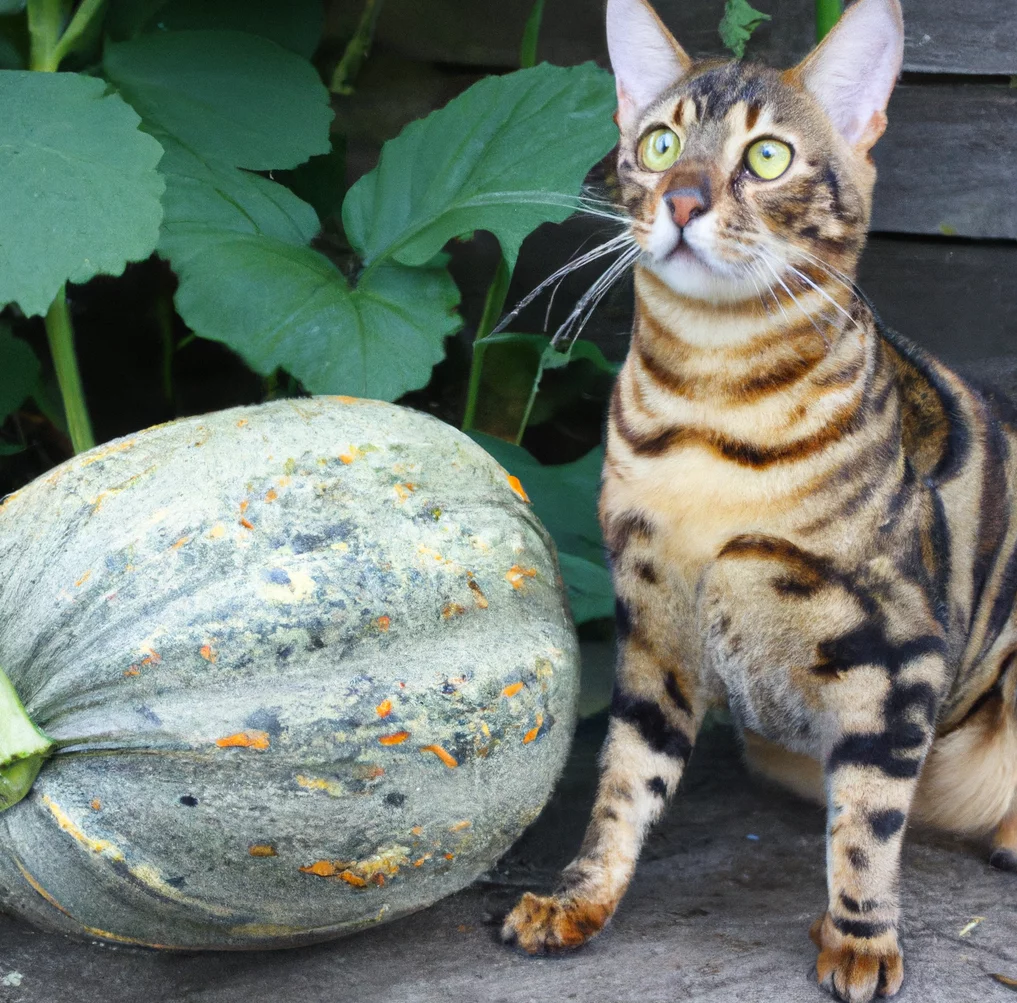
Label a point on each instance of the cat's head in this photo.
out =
(733, 174)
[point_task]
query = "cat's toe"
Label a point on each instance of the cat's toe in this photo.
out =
(854, 970)
(542, 924)
(1004, 859)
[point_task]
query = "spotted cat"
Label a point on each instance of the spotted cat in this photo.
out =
(809, 519)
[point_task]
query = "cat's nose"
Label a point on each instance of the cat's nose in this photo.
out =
(686, 204)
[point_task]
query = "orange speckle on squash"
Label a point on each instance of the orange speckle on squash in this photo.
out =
(270, 495)
(516, 576)
(533, 732)
(384, 708)
(352, 879)
(352, 454)
(452, 609)
(383, 622)
(378, 879)
(241, 423)
(459, 826)
(396, 738)
(243, 505)
(208, 653)
(321, 868)
(262, 850)
(417, 830)
(217, 531)
(182, 542)
(282, 482)
(247, 524)
(343, 399)
(132, 671)
(516, 486)
(403, 491)
(96, 805)
(245, 740)
(84, 578)
(446, 757)
(420, 861)
(512, 689)
(481, 599)
(450, 856)
(151, 657)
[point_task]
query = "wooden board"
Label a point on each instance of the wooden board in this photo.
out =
(948, 163)
(944, 36)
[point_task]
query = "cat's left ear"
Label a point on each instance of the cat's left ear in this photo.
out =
(645, 57)
(853, 71)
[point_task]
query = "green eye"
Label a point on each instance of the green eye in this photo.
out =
(659, 150)
(768, 159)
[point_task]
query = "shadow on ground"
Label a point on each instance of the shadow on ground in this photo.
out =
(718, 912)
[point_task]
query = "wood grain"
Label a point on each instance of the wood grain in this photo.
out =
(943, 36)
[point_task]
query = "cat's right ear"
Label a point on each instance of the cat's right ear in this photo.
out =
(645, 57)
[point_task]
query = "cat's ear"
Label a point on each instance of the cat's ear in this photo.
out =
(645, 57)
(853, 71)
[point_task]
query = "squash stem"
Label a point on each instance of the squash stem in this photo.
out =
(61, 344)
(23, 747)
(493, 306)
(828, 13)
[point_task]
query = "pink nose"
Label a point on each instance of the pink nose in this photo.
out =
(686, 204)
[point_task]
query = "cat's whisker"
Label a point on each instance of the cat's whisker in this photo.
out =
(805, 313)
(573, 325)
(623, 242)
(822, 292)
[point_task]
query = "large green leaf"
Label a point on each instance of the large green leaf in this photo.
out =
(295, 25)
(564, 497)
(505, 156)
(81, 194)
(19, 372)
(282, 305)
(227, 95)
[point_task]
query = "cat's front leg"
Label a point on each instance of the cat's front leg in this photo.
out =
(872, 770)
(649, 740)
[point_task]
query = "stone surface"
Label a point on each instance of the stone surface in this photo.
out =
(714, 915)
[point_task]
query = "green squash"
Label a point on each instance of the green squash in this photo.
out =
(308, 666)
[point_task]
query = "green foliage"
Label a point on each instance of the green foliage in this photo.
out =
(81, 191)
(737, 25)
(523, 144)
(564, 497)
(828, 13)
(19, 372)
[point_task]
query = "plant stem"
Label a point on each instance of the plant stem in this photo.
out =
(61, 345)
(828, 13)
(494, 303)
(45, 23)
(356, 50)
(531, 33)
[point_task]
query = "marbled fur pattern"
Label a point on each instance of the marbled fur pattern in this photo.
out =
(809, 520)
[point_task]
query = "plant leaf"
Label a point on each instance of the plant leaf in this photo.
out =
(278, 304)
(237, 98)
(564, 498)
(505, 156)
(80, 187)
(19, 372)
(295, 25)
(740, 20)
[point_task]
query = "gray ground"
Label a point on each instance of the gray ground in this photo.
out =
(718, 912)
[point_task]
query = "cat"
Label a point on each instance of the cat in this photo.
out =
(808, 518)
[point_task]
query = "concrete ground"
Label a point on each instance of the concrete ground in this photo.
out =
(719, 911)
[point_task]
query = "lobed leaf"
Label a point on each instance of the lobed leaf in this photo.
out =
(237, 98)
(737, 25)
(506, 155)
(81, 194)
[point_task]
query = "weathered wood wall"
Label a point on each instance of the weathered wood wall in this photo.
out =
(942, 263)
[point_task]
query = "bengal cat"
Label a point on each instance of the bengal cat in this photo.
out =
(808, 518)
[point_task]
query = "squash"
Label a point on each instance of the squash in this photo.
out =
(308, 666)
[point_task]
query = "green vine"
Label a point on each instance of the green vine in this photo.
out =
(828, 13)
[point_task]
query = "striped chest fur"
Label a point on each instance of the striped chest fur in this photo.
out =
(808, 519)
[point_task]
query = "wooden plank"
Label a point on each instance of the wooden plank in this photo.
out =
(943, 36)
(955, 297)
(947, 161)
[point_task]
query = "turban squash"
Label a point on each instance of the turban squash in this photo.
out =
(305, 667)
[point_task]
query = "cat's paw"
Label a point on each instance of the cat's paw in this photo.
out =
(547, 924)
(1003, 858)
(856, 969)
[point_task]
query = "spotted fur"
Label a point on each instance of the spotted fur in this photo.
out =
(808, 518)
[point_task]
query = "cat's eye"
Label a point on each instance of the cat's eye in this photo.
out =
(768, 159)
(659, 149)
